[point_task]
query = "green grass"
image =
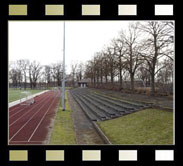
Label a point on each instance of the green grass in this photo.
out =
(63, 131)
(15, 94)
(146, 127)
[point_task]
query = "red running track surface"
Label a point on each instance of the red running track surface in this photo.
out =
(29, 124)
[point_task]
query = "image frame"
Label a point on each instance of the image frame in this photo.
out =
(146, 153)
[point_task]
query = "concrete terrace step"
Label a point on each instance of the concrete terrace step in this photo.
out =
(88, 108)
(125, 104)
(128, 103)
(120, 104)
(110, 105)
(121, 109)
(102, 107)
(94, 109)
(90, 115)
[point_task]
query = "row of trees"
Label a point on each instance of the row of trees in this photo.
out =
(77, 73)
(23, 73)
(143, 52)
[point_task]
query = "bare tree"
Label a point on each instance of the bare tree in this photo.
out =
(101, 66)
(79, 71)
(34, 73)
(47, 74)
(109, 55)
(165, 75)
(132, 54)
(57, 72)
(15, 74)
(23, 65)
(97, 67)
(120, 51)
(157, 45)
(13, 77)
(73, 73)
(88, 73)
(105, 68)
(143, 74)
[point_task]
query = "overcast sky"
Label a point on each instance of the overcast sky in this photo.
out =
(43, 40)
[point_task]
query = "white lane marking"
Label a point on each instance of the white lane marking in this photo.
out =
(25, 113)
(26, 122)
(12, 104)
(42, 118)
(26, 107)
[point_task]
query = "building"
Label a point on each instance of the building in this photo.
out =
(83, 83)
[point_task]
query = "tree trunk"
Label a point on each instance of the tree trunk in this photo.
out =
(34, 85)
(106, 79)
(91, 81)
(120, 80)
(94, 81)
(152, 84)
(111, 77)
(97, 78)
(25, 84)
(31, 85)
(101, 78)
(132, 81)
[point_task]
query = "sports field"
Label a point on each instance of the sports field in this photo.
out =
(16, 94)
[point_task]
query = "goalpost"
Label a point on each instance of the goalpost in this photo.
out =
(26, 98)
(55, 90)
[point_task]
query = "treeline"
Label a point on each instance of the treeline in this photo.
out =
(23, 72)
(141, 56)
(26, 74)
(144, 52)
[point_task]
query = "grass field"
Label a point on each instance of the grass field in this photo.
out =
(16, 94)
(63, 131)
(146, 127)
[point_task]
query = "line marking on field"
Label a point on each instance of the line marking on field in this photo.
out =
(43, 118)
(27, 122)
(25, 108)
(24, 99)
(26, 113)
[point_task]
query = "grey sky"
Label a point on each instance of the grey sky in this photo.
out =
(43, 40)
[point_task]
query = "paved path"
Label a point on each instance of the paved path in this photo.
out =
(84, 129)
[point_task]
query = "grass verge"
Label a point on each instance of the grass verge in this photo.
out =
(146, 127)
(63, 131)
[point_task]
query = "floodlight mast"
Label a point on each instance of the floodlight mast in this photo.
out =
(63, 80)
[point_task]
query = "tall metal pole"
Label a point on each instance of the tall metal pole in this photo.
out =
(63, 80)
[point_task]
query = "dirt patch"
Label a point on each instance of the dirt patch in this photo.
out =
(84, 129)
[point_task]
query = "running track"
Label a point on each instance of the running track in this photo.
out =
(29, 124)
